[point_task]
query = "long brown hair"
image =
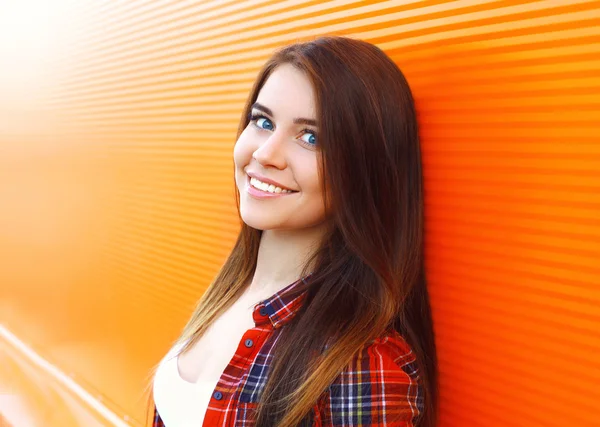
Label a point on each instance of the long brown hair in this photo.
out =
(367, 276)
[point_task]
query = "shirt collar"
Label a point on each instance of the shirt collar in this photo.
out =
(282, 306)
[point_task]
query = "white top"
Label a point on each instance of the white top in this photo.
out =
(179, 403)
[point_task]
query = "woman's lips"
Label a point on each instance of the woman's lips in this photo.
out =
(259, 194)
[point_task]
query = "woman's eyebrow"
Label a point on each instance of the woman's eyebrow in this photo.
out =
(297, 121)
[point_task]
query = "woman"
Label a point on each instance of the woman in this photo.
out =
(320, 315)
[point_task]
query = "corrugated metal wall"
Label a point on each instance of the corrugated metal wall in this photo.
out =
(116, 184)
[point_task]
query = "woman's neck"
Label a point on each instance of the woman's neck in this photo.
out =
(281, 257)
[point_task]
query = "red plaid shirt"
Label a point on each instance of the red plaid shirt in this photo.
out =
(380, 387)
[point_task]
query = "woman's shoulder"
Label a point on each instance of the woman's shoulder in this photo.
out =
(380, 386)
(392, 349)
(390, 354)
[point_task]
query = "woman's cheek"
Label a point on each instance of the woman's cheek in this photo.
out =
(242, 151)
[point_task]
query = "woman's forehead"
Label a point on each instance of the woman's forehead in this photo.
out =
(288, 93)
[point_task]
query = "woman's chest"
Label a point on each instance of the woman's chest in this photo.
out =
(208, 358)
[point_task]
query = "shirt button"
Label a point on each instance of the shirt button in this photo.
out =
(263, 311)
(218, 395)
(249, 343)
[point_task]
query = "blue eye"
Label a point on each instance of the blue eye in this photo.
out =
(262, 122)
(312, 139)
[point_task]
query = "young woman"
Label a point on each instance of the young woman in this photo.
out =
(320, 315)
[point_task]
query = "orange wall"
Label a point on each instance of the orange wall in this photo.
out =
(117, 125)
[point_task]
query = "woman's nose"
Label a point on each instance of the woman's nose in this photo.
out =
(270, 152)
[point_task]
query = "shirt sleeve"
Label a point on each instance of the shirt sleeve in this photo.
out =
(380, 387)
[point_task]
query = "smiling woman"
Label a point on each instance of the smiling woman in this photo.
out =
(277, 150)
(320, 315)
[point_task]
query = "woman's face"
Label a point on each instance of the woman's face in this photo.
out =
(280, 144)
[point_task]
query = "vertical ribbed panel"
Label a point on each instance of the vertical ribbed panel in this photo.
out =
(116, 182)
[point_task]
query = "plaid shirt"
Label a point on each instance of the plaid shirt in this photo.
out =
(380, 387)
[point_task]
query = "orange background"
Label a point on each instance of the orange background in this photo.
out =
(117, 126)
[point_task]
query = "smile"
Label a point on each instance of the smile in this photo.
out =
(267, 187)
(261, 190)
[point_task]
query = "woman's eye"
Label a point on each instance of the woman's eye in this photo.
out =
(312, 139)
(309, 137)
(264, 123)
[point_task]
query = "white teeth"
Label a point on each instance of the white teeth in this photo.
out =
(267, 187)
